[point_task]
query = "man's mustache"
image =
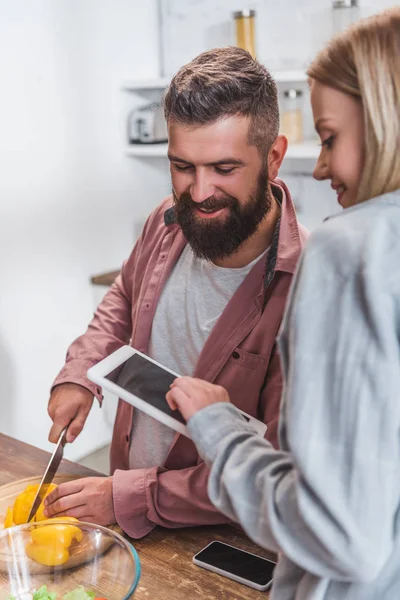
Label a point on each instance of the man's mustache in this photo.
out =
(211, 203)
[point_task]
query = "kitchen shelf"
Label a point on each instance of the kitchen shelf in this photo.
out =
(160, 83)
(144, 150)
(146, 84)
(290, 76)
(306, 150)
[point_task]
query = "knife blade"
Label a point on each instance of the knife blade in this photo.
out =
(49, 473)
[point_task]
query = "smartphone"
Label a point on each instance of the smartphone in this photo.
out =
(239, 565)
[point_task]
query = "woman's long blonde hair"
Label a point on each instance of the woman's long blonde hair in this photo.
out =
(364, 61)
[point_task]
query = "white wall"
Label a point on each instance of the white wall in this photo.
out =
(70, 201)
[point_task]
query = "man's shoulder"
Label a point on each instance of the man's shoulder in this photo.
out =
(292, 234)
(162, 211)
(304, 234)
(159, 220)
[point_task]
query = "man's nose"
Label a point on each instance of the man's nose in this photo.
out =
(201, 188)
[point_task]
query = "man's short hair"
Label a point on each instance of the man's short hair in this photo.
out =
(224, 82)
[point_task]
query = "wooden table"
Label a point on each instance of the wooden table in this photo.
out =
(165, 554)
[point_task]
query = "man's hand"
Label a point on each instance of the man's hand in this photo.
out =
(88, 499)
(69, 404)
(189, 395)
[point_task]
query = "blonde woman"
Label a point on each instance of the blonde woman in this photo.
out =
(329, 501)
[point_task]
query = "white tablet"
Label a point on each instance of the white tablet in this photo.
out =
(144, 383)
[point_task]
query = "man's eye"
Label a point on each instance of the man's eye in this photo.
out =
(182, 167)
(224, 171)
(328, 143)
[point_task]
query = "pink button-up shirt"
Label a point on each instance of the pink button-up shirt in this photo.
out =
(240, 354)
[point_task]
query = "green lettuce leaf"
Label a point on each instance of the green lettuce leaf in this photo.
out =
(79, 594)
(43, 594)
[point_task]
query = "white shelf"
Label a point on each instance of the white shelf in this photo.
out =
(306, 150)
(289, 76)
(161, 83)
(153, 150)
(145, 84)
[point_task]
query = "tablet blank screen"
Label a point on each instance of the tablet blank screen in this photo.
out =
(147, 381)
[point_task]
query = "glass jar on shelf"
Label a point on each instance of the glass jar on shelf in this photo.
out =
(245, 30)
(292, 115)
(345, 12)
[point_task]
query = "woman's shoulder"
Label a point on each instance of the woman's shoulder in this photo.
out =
(361, 236)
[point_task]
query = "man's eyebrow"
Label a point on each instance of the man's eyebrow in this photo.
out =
(174, 158)
(222, 161)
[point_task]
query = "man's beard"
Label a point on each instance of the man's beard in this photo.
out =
(214, 239)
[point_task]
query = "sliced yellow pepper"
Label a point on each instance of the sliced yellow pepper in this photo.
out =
(40, 516)
(50, 543)
(24, 502)
(22, 507)
(47, 555)
(52, 535)
(9, 520)
(32, 488)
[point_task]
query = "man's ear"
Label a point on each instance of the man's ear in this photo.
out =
(276, 155)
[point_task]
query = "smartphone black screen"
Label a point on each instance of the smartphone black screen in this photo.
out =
(237, 562)
(147, 381)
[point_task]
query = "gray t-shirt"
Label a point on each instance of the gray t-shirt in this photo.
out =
(191, 302)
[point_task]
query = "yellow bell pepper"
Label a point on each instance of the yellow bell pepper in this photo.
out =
(22, 507)
(52, 535)
(50, 543)
(9, 520)
(23, 504)
(40, 516)
(49, 555)
(32, 488)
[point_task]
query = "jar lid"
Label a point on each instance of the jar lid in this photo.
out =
(292, 93)
(344, 3)
(238, 14)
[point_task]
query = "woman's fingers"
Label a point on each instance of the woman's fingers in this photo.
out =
(177, 399)
(190, 395)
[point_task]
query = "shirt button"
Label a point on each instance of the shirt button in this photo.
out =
(127, 438)
(236, 355)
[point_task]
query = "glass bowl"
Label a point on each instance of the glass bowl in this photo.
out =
(103, 562)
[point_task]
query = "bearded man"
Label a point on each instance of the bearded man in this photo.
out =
(203, 293)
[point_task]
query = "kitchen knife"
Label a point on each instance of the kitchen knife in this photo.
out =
(49, 473)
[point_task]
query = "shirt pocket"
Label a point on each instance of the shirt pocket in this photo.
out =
(243, 376)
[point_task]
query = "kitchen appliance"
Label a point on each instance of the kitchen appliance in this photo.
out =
(147, 125)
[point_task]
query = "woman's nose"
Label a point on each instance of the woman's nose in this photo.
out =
(321, 170)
